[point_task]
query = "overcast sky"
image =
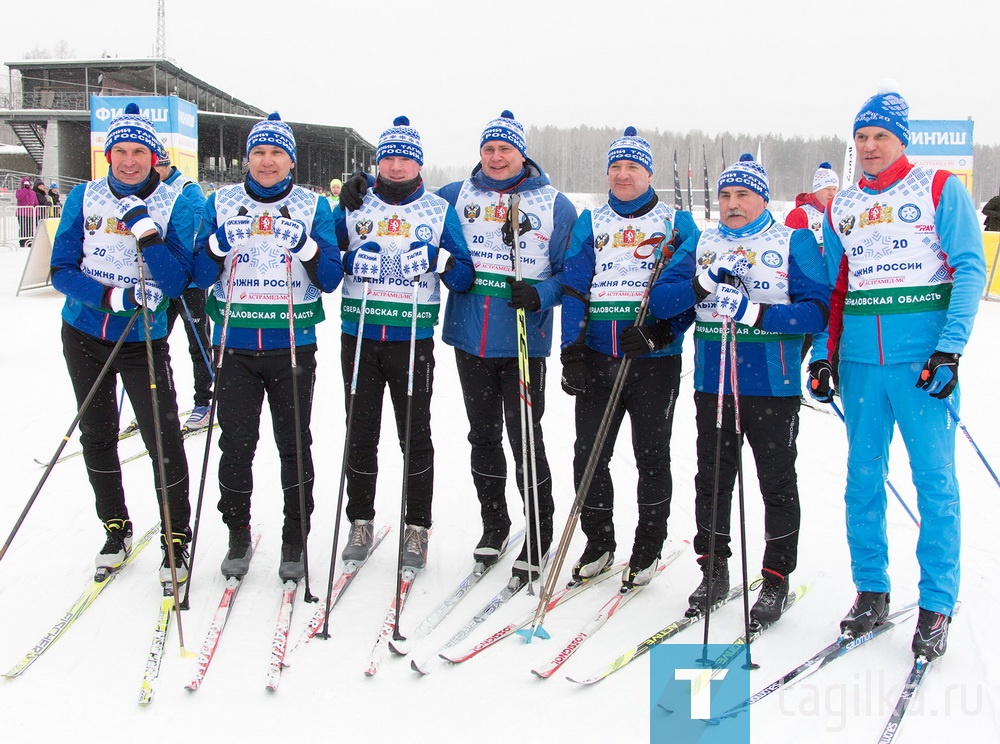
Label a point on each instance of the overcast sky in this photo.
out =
(452, 65)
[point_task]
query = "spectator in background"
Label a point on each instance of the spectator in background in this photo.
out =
(992, 212)
(54, 194)
(334, 197)
(27, 200)
(810, 206)
(42, 195)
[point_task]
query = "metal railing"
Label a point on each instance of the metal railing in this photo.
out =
(18, 224)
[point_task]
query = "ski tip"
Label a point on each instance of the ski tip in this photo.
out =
(400, 647)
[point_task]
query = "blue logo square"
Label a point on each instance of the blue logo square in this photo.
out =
(692, 683)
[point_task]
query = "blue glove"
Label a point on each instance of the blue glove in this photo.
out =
(723, 267)
(939, 375)
(820, 377)
(131, 210)
(418, 259)
(291, 235)
(366, 262)
(732, 303)
(232, 234)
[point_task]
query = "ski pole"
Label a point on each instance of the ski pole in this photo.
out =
(197, 337)
(161, 465)
(735, 385)
(529, 486)
(69, 432)
(954, 414)
(662, 257)
(325, 633)
(211, 414)
(406, 453)
(710, 558)
(299, 455)
(892, 488)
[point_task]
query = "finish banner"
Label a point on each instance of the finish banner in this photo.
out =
(175, 120)
(943, 144)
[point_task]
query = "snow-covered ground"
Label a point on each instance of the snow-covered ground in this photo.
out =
(86, 686)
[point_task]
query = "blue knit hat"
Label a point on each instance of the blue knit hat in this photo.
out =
(400, 140)
(272, 131)
(132, 126)
(507, 129)
(825, 177)
(164, 156)
(749, 174)
(630, 146)
(886, 109)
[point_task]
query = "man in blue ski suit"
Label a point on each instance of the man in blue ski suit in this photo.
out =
(904, 254)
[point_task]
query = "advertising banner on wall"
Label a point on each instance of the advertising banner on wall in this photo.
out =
(942, 144)
(175, 120)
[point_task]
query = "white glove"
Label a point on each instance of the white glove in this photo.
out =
(732, 303)
(417, 260)
(126, 300)
(729, 264)
(367, 264)
(132, 212)
(234, 233)
(290, 235)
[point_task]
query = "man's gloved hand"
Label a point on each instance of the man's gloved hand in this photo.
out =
(232, 234)
(366, 262)
(352, 193)
(575, 375)
(732, 303)
(121, 299)
(290, 235)
(523, 295)
(418, 259)
(940, 374)
(821, 381)
(723, 267)
(639, 340)
(131, 211)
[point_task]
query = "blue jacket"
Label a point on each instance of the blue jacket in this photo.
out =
(324, 269)
(604, 335)
(486, 326)
(457, 279)
(767, 366)
(169, 263)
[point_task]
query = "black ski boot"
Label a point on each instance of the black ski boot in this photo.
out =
(718, 567)
(870, 609)
(930, 639)
(771, 600)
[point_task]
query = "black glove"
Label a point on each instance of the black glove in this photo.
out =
(820, 377)
(523, 295)
(353, 191)
(645, 339)
(522, 227)
(575, 375)
(940, 374)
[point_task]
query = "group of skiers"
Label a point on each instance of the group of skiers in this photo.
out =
(885, 276)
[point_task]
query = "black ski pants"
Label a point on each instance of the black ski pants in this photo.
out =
(198, 329)
(85, 357)
(771, 425)
(386, 364)
(244, 379)
(491, 389)
(649, 396)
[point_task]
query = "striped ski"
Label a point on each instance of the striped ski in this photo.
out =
(218, 625)
(129, 431)
(280, 642)
(437, 616)
(609, 610)
(184, 435)
(351, 569)
(85, 600)
(155, 657)
(557, 599)
(380, 649)
(656, 638)
(842, 646)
